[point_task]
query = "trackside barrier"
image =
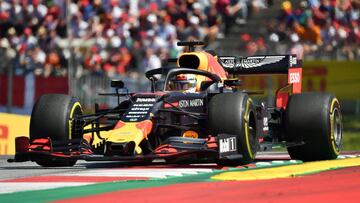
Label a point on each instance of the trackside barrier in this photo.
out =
(12, 126)
(342, 78)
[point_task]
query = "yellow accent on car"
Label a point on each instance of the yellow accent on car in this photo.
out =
(76, 104)
(332, 138)
(198, 60)
(246, 127)
(127, 133)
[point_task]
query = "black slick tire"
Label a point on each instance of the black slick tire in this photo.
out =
(233, 113)
(51, 117)
(314, 119)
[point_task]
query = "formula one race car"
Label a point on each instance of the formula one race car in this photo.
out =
(195, 112)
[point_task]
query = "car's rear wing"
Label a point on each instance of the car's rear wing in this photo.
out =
(270, 64)
(276, 64)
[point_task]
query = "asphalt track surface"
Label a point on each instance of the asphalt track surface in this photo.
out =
(119, 182)
(341, 185)
(28, 169)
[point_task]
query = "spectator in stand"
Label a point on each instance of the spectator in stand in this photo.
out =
(165, 29)
(150, 60)
(323, 26)
(180, 29)
(194, 31)
(198, 11)
(110, 25)
(131, 36)
(286, 13)
(213, 19)
(53, 66)
(230, 11)
(309, 32)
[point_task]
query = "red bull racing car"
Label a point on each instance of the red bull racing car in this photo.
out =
(196, 111)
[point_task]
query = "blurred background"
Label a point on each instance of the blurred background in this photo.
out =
(77, 46)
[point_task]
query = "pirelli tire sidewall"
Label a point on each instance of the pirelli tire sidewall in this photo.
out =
(316, 120)
(52, 117)
(233, 113)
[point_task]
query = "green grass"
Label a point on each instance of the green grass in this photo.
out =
(351, 141)
(351, 123)
(351, 137)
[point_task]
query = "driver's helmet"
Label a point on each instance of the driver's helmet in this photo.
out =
(183, 82)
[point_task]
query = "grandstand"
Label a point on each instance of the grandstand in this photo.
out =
(79, 45)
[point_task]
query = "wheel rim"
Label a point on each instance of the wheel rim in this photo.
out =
(75, 110)
(252, 132)
(337, 125)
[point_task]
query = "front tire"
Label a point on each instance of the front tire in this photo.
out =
(52, 117)
(315, 119)
(233, 113)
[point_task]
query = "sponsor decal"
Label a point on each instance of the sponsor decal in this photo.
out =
(12, 126)
(258, 61)
(4, 134)
(227, 145)
(294, 77)
(146, 100)
(227, 61)
(143, 105)
(251, 60)
(191, 103)
(293, 61)
(139, 110)
(265, 124)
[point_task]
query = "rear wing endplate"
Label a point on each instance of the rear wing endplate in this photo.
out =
(270, 64)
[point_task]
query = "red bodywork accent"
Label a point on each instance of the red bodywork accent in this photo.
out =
(151, 93)
(41, 144)
(211, 143)
(171, 105)
(295, 78)
(215, 67)
(165, 149)
(145, 127)
(294, 82)
(282, 99)
(169, 149)
(119, 124)
(88, 137)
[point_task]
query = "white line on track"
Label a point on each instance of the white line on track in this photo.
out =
(17, 187)
(149, 172)
(9, 187)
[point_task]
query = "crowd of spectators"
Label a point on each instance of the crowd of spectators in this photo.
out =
(117, 37)
(108, 37)
(327, 27)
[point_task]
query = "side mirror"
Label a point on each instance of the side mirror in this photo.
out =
(117, 84)
(233, 82)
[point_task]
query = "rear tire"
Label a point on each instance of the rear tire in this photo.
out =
(315, 119)
(233, 113)
(51, 117)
